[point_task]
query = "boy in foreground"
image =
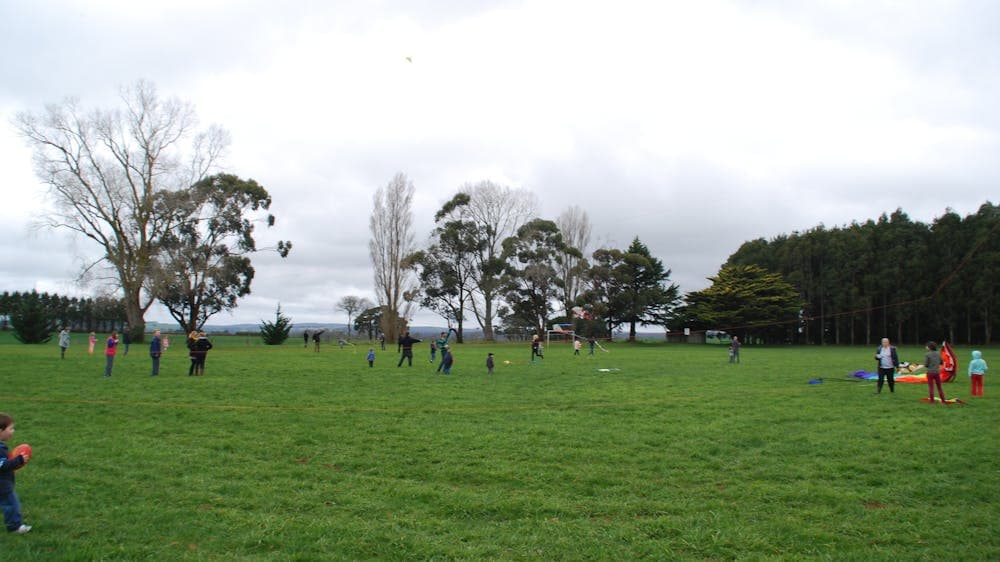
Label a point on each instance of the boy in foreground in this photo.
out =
(8, 498)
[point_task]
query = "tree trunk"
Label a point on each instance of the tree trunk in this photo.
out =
(631, 331)
(488, 318)
(135, 315)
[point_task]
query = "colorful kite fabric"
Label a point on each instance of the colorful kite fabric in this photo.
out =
(949, 362)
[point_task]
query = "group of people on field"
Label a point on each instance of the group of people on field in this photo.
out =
(438, 347)
(197, 343)
(888, 362)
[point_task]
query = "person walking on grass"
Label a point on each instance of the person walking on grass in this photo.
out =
(734, 350)
(111, 347)
(591, 342)
(126, 340)
(433, 351)
(8, 496)
(933, 363)
(577, 345)
(977, 370)
(888, 362)
(405, 347)
(63, 342)
(155, 351)
(305, 338)
(536, 348)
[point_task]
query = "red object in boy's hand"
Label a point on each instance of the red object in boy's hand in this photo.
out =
(24, 450)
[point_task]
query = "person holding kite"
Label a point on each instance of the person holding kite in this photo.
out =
(933, 363)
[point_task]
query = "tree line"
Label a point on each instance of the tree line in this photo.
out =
(45, 313)
(490, 260)
(891, 277)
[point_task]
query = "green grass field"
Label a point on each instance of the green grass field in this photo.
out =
(280, 453)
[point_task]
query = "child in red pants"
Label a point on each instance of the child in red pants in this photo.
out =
(933, 363)
(977, 368)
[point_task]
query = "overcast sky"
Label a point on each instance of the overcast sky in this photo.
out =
(694, 125)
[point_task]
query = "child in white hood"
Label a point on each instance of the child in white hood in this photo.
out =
(977, 368)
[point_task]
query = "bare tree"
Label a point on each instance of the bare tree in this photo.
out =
(497, 211)
(391, 227)
(574, 224)
(105, 169)
(351, 305)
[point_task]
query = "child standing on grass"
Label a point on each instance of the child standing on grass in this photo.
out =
(8, 497)
(977, 368)
(91, 342)
(63, 342)
(576, 347)
(371, 356)
(489, 363)
(447, 359)
(933, 363)
(109, 351)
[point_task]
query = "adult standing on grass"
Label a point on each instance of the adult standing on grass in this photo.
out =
(888, 362)
(63, 342)
(305, 338)
(192, 342)
(202, 346)
(316, 337)
(126, 339)
(933, 363)
(110, 349)
(381, 341)
(734, 350)
(405, 346)
(155, 350)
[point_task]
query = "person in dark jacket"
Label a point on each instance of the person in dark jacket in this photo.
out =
(201, 347)
(405, 346)
(155, 351)
(888, 362)
(8, 497)
(190, 342)
(447, 360)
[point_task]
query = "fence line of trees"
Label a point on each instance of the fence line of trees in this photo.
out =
(892, 277)
(101, 314)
